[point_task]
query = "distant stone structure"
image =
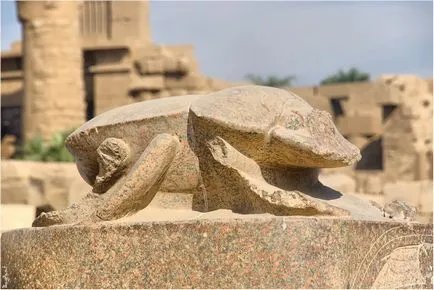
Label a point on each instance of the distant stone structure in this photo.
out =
(407, 136)
(52, 80)
(389, 119)
(120, 64)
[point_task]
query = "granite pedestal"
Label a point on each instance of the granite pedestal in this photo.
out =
(221, 250)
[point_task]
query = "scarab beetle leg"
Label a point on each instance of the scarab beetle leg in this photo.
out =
(142, 181)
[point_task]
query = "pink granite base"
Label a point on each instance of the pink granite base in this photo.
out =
(248, 252)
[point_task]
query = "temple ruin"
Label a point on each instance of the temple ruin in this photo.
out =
(121, 64)
(389, 119)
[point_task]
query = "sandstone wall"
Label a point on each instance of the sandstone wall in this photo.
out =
(41, 183)
(118, 76)
(53, 78)
(115, 21)
(162, 71)
(407, 137)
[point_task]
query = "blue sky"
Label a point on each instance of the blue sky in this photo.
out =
(308, 39)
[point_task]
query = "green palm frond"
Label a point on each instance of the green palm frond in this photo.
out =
(271, 81)
(352, 75)
(54, 151)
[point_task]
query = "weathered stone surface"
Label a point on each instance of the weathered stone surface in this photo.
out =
(374, 184)
(399, 210)
(407, 137)
(41, 183)
(150, 65)
(281, 118)
(250, 149)
(18, 184)
(282, 139)
(369, 181)
(178, 92)
(223, 252)
(163, 94)
(366, 123)
(53, 67)
(149, 82)
(188, 82)
(8, 146)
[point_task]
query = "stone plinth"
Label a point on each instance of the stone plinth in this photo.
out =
(53, 67)
(221, 250)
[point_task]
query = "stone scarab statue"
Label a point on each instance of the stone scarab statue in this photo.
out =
(250, 149)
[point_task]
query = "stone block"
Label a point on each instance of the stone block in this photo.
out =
(141, 96)
(415, 193)
(41, 183)
(110, 90)
(63, 183)
(163, 94)
(19, 185)
(221, 251)
(374, 184)
(150, 65)
(178, 92)
(186, 61)
(148, 51)
(369, 125)
(147, 82)
(77, 187)
(16, 216)
(370, 182)
(129, 22)
(171, 65)
(184, 65)
(188, 82)
(359, 140)
(54, 67)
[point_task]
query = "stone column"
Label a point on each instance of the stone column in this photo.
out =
(53, 71)
(407, 137)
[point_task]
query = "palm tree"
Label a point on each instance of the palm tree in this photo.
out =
(352, 75)
(271, 81)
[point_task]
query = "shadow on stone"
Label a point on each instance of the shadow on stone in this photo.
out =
(324, 192)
